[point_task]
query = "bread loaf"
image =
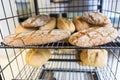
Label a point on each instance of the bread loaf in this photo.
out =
(20, 29)
(37, 57)
(65, 24)
(36, 37)
(79, 23)
(93, 36)
(36, 21)
(50, 25)
(95, 18)
(93, 57)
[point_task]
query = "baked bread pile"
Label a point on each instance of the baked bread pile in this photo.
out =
(100, 30)
(93, 28)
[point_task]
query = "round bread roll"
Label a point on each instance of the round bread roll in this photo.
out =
(95, 18)
(37, 57)
(20, 29)
(50, 25)
(36, 21)
(79, 23)
(65, 24)
(93, 57)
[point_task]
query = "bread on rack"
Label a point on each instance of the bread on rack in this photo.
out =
(95, 18)
(37, 57)
(20, 29)
(65, 24)
(93, 57)
(79, 23)
(36, 37)
(50, 25)
(93, 36)
(36, 21)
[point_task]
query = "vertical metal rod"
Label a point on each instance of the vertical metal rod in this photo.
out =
(0, 77)
(36, 7)
(101, 5)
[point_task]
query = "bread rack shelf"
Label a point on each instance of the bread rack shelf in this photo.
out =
(64, 45)
(60, 70)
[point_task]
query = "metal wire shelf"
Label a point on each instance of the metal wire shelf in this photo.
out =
(63, 66)
(64, 45)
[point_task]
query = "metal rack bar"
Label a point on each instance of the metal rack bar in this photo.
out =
(36, 7)
(56, 45)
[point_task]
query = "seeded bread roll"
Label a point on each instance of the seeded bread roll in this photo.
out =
(36, 21)
(93, 36)
(50, 25)
(95, 18)
(93, 57)
(36, 37)
(20, 29)
(37, 57)
(79, 23)
(65, 24)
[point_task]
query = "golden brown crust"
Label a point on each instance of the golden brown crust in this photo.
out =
(79, 23)
(65, 24)
(36, 21)
(93, 36)
(37, 57)
(20, 29)
(95, 18)
(36, 37)
(93, 57)
(50, 25)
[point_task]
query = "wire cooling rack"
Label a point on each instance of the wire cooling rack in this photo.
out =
(63, 45)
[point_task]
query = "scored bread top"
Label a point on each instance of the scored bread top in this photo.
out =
(93, 36)
(95, 18)
(36, 37)
(36, 21)
(65, 24)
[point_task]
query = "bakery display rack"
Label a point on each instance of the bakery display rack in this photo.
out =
(61, 66)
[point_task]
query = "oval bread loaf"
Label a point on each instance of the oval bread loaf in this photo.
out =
(37, 57)
(93, 36)
(50, 25)
(95, 18)
(65, 24)
(93, 57)
(36, 21)
(20, 29)
(79, 24)
(36, 37)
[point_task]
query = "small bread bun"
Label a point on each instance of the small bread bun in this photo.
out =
(79, 23)
(37, 57)
(36, 21)
(93, 57)
(20, 29)
(50, 25)
(65, 24)
(95, 18)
